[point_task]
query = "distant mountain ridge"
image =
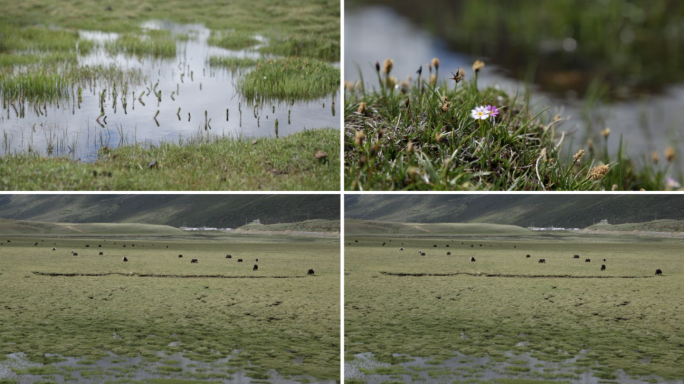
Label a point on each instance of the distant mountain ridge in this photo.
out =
(573, 211)
(224, 211)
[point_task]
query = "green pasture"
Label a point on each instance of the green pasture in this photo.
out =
(625, 317)
(288, 324)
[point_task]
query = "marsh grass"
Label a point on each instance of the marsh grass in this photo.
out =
(41, 59)
(197, 163)
(289, 79)
(232, 40)
(404, 135)
(34, 38)
(231, 62)
(155, 43)
(616, 318)
(323, 47)
(273, 320)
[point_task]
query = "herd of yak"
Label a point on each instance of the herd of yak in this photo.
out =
(658, 271)
(193, 261)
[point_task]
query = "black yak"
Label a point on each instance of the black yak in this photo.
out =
(101, 253)
(255, 267)
(194, 261)
(229, 257)
(542, 260)
(401, 249)
(35, 245)
(87, 246)
(472, 258)
(54, 249)
(448, 244)
(659, 272)
(256, 260)
(435, 245)
(179, 256)
(422, 253)
(448, 253)
(604, 260)
(383, 244)
(311, 272)
(75, 254)
(527, 256)
(239, 260)
(576, 257)
(603, 267)
(125, 259)
(587, 260)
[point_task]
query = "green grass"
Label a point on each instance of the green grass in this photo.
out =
(232, 40)
(303, 226)
(158, 44)
(427, 140)
(273, 320)
(41, 39)
(408, 136)
(198, 163)
(317, 21)
(324, 47)
(621, 320)
(289, 79)
(231, 62)
(367, 227)
(52, 58)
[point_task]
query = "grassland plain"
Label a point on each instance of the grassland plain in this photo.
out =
(289, 324)
(630, 324)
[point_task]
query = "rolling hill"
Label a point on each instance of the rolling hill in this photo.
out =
(366, 227)
(223, 211)
(560, 210)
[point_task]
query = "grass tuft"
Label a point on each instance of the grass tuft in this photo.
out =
(232, 40)
(155, 43)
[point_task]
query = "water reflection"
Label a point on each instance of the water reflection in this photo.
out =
(648, 121)
(175, 97)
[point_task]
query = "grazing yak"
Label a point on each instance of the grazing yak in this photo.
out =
(124, 246)
(356, 241)
(401, 249)
(35, 245)
(542, 260)
(229, 257)
(101, 253)
(659, 272)
(471, 245)
(179, 256)
(422, 253)
(435, 245)
(603, 267)
(125, 259)
(472, 258)
(239, 260)
(576, 257)
(87, 246)
(311, 272)
(587, 260)
(255, 267)
(256, 260)
(527, 256)
(604, 260)
(448, 244)
(54, 249)
(383, 244)
(99, 245)
(448, 253)
(194, 261)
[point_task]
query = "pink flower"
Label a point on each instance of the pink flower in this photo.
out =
(493, 111)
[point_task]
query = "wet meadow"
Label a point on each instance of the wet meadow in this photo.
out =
(90, 316)
(503, 316)
(74, 92)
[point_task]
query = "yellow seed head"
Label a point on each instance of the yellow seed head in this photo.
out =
(435, 63)
(578, 156)
(387, 66)
(362, 107)
(670, 154)
(615, 187)
(409, 147)
(655, 156)
(433, 79)
(445, 106)
(605, 133)
(359, 137)
(598, 172)
(478, 65)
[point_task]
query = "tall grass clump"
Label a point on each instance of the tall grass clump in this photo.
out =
(41, 59)
(231, 62)
(290, 79)
(422, 135)
(31, 39)
(34, 85)
(154, 43)
(232, 40)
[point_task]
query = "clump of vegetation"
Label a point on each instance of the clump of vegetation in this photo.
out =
(231, 62)
(425, 135)
(155, 43)
(40, 59)
(41, 39)
(290, 79)
(199, 163)
(323, 47)
(232, 40)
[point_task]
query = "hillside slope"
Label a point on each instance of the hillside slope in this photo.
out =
(224, 211)
(578, 211)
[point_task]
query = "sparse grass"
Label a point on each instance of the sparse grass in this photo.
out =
(323, 47)
(199, 163)
(154, 43)
(76, 316)
(622, 320)
(52, 58)
(398, 137)
(41, 39)
(232, 40)
(289, 79)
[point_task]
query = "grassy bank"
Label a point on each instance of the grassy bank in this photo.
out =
(302, 226)
(621, 323)
(198, 163)
(421, 135)
(290, 324)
